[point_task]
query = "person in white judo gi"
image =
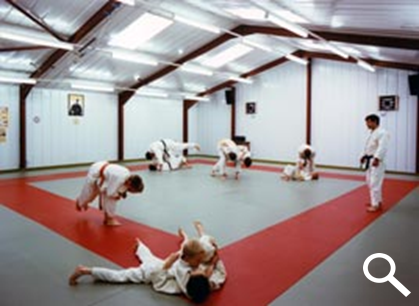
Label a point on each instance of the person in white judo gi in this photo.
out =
(244, 158)
(227, 151)
(304, 169)
(373, 161)
(167, 154)
(211, 262)
(111, 183)
(178, 273)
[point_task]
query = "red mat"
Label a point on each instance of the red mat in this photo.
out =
(261, 267)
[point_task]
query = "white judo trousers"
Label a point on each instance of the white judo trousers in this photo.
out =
(107, 181)
(149, 272)
(376, 146)
(224, 147)
(171, 155)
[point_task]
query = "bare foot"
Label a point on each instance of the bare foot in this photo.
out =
(199, 228)
(224, 177)
(111, 222)
(78, 207)
(182, 234)
(79, 271)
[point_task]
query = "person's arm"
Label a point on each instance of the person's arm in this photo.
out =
(170, 260)
(383, 140)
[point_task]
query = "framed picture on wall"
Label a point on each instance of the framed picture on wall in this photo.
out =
(388, 103)
(75, 105)
(250, 108)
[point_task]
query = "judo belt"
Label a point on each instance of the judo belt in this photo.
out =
(101, 181)
(166, 154)
(366, 161)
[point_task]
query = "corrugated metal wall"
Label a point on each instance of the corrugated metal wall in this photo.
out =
(213, 122)
(9, 149)
(343, 94)
(278, 127)
(148, 120)
(54, 138)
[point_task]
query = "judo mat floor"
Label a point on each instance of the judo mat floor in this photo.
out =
(283, 243)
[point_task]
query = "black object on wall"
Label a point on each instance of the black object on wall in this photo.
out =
(230, 95)
(414, 84)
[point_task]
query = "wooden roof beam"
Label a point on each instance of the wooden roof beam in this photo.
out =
(104, 12)
(36, 19)
(127, 94)
(379, 41)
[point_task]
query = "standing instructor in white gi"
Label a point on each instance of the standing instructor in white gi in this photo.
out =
(374, 160)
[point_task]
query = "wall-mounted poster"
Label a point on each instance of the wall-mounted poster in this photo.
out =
(388, 103)
(3, 134)
(251, 108)
(4, 116)
(75, 105)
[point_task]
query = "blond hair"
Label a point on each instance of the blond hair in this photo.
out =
(191, 248)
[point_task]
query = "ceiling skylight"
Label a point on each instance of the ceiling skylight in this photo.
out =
(228, 55)
(140, 31)
(248, 13)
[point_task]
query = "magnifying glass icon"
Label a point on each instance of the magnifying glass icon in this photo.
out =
(389, 278)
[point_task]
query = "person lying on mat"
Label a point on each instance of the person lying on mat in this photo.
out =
(181, 272)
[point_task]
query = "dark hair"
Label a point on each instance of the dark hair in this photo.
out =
(198, 288)
(152, 167)
(373, 118)
(232, 156)
(149, 155)
(247, 162)
(307, 153)
(136, 183)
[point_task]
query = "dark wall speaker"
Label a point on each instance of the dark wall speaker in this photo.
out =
(414, 84)
(230, 95)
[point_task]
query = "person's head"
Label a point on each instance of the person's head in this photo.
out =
(149, 155)
(247, 162)
(307, 154)
(193, 252)
(135, 184)
(198, 287)
(232, 156)
(372, 121)
(152, 167)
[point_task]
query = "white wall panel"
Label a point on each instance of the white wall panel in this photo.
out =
(213, 122)
(343, 94)
(9, 150)
(193, 124)
(59, 139)
(278, 127)
(148, 120)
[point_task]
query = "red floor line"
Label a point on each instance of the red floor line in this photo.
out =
(266, 264)
(140, 167)
(261, 267)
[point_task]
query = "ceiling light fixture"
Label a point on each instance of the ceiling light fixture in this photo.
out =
(125, 56)
(35, 41)
(289, 26)
(198, 25)
(5, 79)
(296, 59)
(365, 65)
(93, 87)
